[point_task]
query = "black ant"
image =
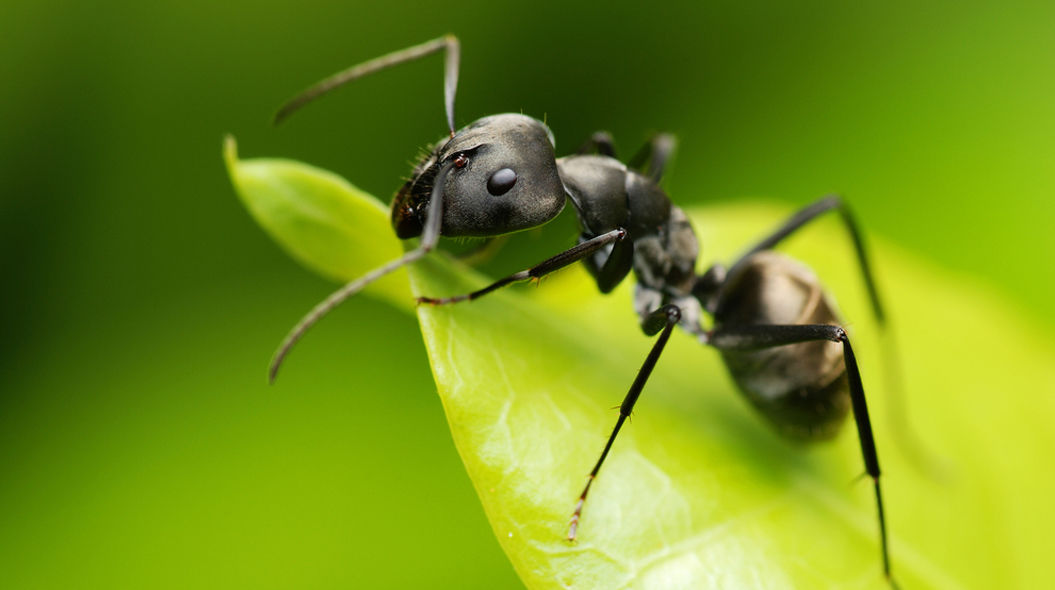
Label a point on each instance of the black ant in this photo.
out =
(773, 323)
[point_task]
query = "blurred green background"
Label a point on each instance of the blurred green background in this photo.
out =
(139, 444)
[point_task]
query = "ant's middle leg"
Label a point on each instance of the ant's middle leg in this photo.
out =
(569, 256)
(663, 319)
(601, 142)
(647, 299)
(651, 160)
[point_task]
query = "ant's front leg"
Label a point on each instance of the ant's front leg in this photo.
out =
(545, 267)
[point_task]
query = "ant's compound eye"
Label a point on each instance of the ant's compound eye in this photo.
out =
(501, 181)
(461, 161)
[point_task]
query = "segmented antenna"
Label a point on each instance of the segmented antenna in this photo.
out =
(429, 237)
(450, 77)
(431, 234)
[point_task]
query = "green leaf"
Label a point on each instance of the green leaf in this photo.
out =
(698, 491)
(320, 219)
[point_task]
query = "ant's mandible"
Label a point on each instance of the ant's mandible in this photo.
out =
(773, 323)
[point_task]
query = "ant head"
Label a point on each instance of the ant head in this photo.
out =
(503, 179)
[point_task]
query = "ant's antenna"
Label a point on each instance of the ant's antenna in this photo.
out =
(434, 214)
(429, 237)
(450, 77)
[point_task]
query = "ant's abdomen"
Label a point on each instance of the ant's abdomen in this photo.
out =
(801, 388)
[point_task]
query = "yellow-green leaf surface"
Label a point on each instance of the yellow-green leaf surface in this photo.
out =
(320, 219)
(698, 491)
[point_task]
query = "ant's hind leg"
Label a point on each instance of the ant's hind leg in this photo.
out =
(757, 337)
(907, 437)
(808, 214)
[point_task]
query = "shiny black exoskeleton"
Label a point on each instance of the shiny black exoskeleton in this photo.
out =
(775, 327)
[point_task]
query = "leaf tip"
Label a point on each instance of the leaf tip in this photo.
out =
(230, 152)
